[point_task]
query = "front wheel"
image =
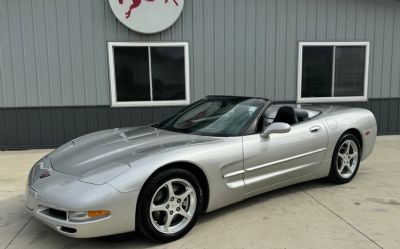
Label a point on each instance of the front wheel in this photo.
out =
(346, 159)
(169, 205)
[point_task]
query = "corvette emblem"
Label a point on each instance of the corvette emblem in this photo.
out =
(44, 175)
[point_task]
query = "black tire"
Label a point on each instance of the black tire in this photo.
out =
(334, 175)
(143, 220)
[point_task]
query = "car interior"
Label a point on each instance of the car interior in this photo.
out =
(286, 114)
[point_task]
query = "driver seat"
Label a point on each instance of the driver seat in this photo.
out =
(286, 114)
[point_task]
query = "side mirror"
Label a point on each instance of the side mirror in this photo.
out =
(277, 127)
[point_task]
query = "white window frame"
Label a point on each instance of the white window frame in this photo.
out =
(113, 90)
(332, 99)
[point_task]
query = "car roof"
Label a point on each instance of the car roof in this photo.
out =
(234, 97)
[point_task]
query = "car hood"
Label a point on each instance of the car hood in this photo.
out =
(111, 152)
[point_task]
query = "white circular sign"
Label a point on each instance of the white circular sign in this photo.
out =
(147, 16)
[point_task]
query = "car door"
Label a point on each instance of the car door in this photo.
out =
(281, 157)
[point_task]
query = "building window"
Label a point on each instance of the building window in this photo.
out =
(332, 71)
(149, 74)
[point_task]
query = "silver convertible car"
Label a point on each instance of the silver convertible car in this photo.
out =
(158, 179)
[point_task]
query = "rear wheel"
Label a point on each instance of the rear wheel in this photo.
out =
(346, 159)
(169, 205)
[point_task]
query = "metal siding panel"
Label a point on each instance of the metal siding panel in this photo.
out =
(187, 19)
(395, 72)
(384, 115)
(35, 130)
(51, 20)
(64, 61)
(361, 9)
(58, 125)
(198, 50)
(100, 53)
(89, 75)
(10, 126)
(271, 49)
(387, 50)
(28, 39)
(46, 126)
(378, 51)
(209, 51)
(250, 50)
(230, 57)
(311, 19)
(147, 115)
(41, 46)
(3, 12)
(398, 116)
(219, 54)
(291, 52)
(351, 19)
(240, 47)
(91, 117)
(393, 113)
(3, 133)
(103, 117)
(7, 91)
(126, 117)
(158, 114)
(136, 117)
(260, 48)
(321, 20)
(81, 122)
(115, 118)
(331, 21)
(22, 127)
(17, 60)
(370, 36)
(69, 123)
(341, 20)
(8, 86)
(376, 110)
(76, 53)
(280, 58)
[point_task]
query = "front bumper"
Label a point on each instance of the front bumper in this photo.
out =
(50, 205)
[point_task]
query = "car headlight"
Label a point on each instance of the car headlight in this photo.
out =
(40, 170)
(80, 216)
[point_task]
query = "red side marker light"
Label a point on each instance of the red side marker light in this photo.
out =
(45, 174)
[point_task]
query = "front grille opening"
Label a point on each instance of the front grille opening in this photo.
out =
(55, 213)
(68, 229)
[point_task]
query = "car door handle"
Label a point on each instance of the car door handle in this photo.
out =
(315, 129)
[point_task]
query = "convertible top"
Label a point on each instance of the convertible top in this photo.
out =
(234, 97)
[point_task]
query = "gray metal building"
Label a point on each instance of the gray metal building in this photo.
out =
(54, 62)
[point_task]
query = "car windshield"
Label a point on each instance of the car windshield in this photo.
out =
(223, 116)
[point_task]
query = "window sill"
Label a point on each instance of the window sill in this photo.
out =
(151, 103)
(332, 99)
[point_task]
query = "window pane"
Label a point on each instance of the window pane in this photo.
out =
(349, 71)
(132, 73)
(317, 71)
(168, 73)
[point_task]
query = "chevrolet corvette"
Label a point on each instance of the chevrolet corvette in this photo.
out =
(158, 179)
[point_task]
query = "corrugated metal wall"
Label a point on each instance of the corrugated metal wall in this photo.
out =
(53, 52)
(54, 83)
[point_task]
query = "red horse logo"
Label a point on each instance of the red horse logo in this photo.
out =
(136, 3)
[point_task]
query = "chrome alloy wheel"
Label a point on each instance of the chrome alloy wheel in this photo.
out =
(173, 206)
(347, 158)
